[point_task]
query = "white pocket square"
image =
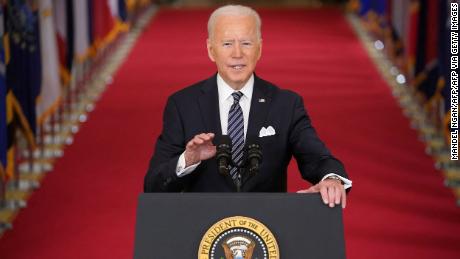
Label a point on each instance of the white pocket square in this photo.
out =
(265, 132)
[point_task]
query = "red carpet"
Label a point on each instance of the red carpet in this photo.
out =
(398, 207)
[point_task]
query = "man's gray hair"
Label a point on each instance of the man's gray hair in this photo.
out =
(234, 10)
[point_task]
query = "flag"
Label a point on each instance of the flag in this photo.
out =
(50, 93)
(63, 18)
(398, 23)
(364, 7)
(118, 9)
(3, 122)
(23, 71)
(119, 15)
(390, 40)
(91, 26)
(399, 18)
(132, 4)
(107, 22)
(10, 125)
(420, 44)
(81, 23)
(423, 56)
(102, 22)
(444, 63)
(122, 10)
(427, 76)
(374, 12)
(412, 38)
(113, 6)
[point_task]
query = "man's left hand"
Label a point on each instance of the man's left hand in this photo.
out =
(332, 192)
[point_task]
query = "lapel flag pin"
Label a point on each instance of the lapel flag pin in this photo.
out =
(261, 100)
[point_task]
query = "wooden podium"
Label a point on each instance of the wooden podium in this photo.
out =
(249, 225)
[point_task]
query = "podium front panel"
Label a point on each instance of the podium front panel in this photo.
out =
(172, 225)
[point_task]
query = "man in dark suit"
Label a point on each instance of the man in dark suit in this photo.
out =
(237, 103)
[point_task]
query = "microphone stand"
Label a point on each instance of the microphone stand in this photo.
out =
(242, 177)
(239, 179)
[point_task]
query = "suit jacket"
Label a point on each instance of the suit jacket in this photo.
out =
(195, 110)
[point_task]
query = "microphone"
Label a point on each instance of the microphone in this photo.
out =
(224, 154)
(254, 154)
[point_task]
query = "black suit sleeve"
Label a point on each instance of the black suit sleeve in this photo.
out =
(161, 175)
(313, 158)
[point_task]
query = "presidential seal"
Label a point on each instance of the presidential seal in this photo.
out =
(238, 238)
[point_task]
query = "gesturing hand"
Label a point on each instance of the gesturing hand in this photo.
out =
(332, 192)
(199, 148)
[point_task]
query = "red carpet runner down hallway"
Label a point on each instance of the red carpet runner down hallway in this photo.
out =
(398, 207)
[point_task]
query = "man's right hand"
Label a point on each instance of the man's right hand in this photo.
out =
(199, 148)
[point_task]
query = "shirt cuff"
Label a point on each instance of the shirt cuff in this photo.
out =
(346, 183)
(181, 170)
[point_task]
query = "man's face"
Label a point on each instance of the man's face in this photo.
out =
(235, 48)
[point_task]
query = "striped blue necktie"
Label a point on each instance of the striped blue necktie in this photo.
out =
(235, 130)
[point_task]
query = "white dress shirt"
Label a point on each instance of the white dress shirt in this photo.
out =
(225, 102)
